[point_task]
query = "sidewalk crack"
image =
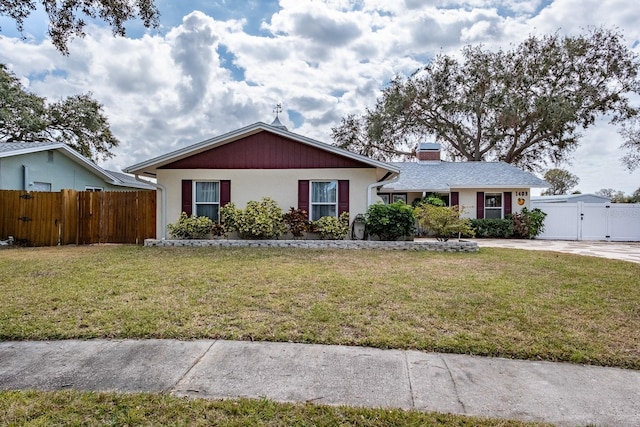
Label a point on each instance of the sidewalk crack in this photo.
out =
(406, 361)
(190, 368)
(455, 385)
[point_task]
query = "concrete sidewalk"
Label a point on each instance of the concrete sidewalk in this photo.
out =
(564, 394)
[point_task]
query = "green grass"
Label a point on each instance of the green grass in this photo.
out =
(98, 409)
(498, 302)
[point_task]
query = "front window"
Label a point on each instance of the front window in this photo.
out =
(207, 199)
(493, 205)
(324, 199)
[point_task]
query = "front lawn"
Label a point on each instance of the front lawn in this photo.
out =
(74, 408)
(498, 302)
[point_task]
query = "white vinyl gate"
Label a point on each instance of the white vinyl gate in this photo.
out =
(590, 221)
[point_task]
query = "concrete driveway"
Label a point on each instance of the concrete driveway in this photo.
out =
(625, 251)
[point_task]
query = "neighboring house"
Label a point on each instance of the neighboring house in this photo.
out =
(55, 167)
(481, 189)
(258, 161)
(570, 198)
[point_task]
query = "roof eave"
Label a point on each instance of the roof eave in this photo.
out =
(70, 153)
(29, 150)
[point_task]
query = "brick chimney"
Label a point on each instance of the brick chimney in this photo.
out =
(428, 152)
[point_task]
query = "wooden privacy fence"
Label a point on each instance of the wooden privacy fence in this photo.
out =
(77, 217)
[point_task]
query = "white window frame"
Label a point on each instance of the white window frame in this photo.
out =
(494, 208)
(92, 188)
(312, 203)
(195, 202)
(41, 186)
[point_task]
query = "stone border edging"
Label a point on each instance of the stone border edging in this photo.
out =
(450, 246)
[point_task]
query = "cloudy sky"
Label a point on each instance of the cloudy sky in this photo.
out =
(214, 66)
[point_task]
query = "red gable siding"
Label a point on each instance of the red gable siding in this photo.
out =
(265, 150)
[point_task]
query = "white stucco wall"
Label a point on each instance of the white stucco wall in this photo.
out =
(250, 184)
(468, 199)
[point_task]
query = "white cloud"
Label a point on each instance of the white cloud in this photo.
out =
(322, 59)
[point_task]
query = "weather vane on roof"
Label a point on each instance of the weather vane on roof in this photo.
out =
(276, 122)
(278, 109)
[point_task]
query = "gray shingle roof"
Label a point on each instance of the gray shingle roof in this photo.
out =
(8, 147)
(442, 176)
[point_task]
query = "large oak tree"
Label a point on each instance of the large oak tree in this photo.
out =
(524, 106)
(561, 181)
(77, 121)
(67, 17)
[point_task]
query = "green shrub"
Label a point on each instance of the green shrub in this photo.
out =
(296, 222)
(330, 227)
(194, 227)
(528, 223)
(431, 199)
(493, 228)
(390, 222)
(259, 220)
(443, 221)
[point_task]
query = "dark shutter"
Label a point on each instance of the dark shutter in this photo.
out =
(187, 196)
(454, 200)
(507, 202)
(225, 192)
(480, 205)
(343, 196)
(303, 196)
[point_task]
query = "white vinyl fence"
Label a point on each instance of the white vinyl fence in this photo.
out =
(591, 221)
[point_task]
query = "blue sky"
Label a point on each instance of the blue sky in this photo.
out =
(214, 66)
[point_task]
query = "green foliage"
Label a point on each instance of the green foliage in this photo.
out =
(561, 182)
(296, 222)
(528, 223)
(616, 196)
(68, 18)
(493, 228)
(431, 199)
(77, 120)
(524, 105)
(259, 220)
(443, 221)
(194, 227)
(332, 228)
(390, 222)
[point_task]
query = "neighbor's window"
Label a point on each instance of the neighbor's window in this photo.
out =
(91, 188)
(207, 199)
(493, 205)
(40, 186)
(324, 199)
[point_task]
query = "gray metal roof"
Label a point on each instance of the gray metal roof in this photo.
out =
(571, 198)
(132, 181)
(443, 176)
